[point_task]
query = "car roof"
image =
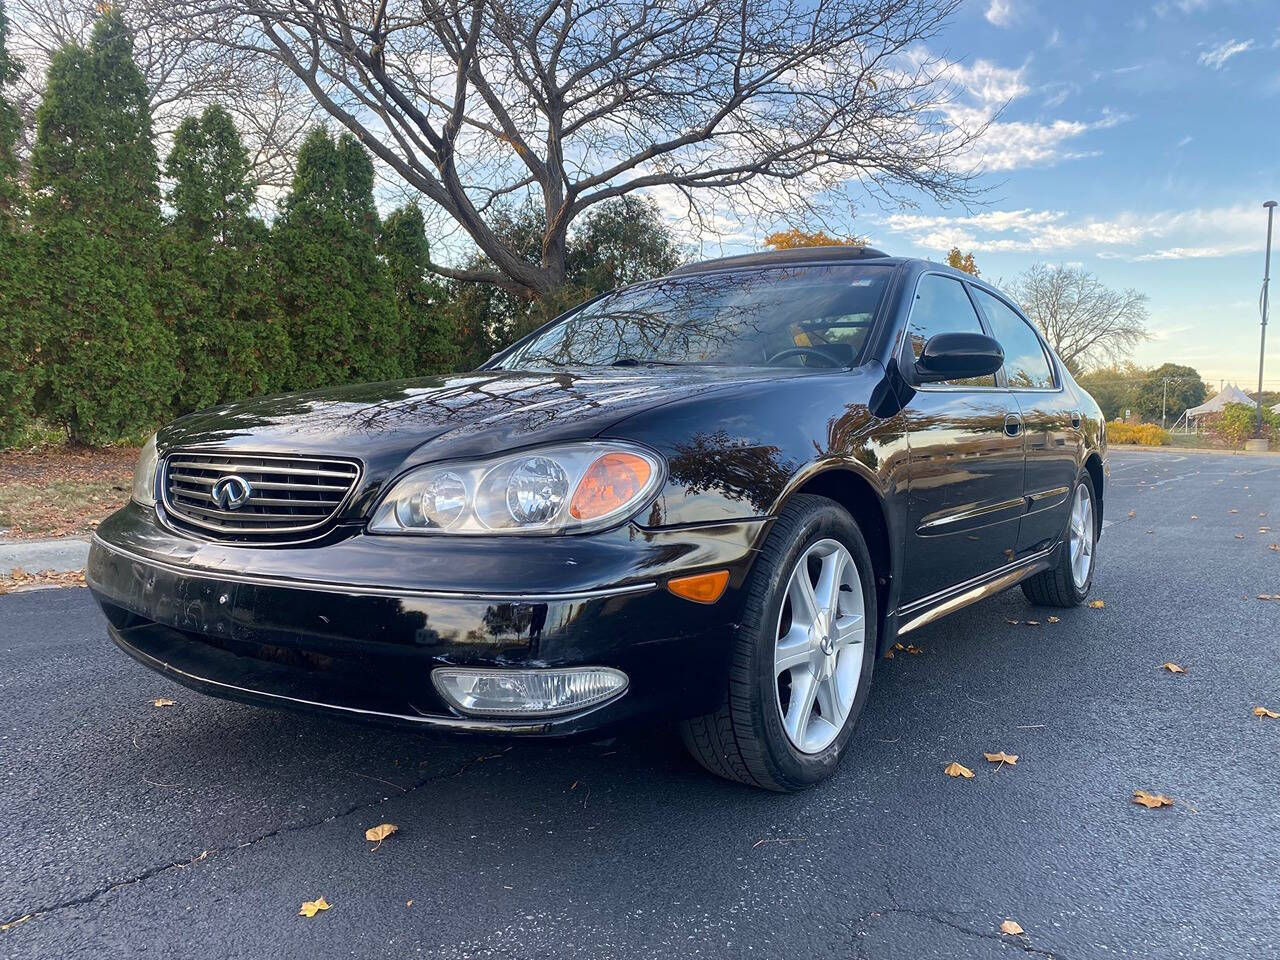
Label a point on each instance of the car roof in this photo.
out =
(771, 258)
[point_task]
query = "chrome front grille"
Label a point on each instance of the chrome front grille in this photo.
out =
(288, 496)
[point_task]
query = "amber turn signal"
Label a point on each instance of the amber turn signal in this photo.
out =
(609, 483)
(701, 587)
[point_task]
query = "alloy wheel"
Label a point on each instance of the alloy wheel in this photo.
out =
(1081, 536)
(818, 646)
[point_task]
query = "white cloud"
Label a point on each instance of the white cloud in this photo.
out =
(1130, 236)
(1216, 57)
(1001, 13)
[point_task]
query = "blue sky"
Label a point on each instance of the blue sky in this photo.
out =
(1140, 141)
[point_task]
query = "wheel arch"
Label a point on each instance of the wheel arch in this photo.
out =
(1093, 464)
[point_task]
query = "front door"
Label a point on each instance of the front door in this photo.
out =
(965, 496)
(1051, 422)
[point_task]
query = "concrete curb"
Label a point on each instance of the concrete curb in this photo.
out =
(35, 556)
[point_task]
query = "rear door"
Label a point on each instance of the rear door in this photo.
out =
(966, 458)
(1051, 420)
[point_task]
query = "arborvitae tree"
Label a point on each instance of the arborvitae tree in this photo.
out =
(216, 290)
(108, 360)
(17, 362)
(427, 327)
(335, 293)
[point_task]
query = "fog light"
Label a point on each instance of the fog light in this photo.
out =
(527, 693)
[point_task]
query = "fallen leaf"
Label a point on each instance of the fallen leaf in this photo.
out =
(1011, 927)
(408, 903)
(958, 770)
(1194, 517)
(1033, 623)
(1173, 668)
(914, 650)
(1261, 712)
(380, 832)
(1055, 619)
(1002, 758)
(1150, 531)
(1275, 546)
(311, 907)
(1096, 604)
(1239, 536)
(162, 702)
(1264, 596)
(1264, 529)
(888, 654)
(1233, 510)
(1013, 623)
(898, 646)
(1133, 513)
(1151, 800)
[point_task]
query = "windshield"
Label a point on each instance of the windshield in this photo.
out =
(796, 316)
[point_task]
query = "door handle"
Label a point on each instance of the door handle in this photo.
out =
(1012, 424)
(1075, 419)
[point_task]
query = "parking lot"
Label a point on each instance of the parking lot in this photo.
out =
(199, 829)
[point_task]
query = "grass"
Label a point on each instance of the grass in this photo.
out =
(61, 491)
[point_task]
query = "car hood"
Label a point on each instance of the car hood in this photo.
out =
(391, 425)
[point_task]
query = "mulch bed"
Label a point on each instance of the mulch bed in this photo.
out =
(65, 491)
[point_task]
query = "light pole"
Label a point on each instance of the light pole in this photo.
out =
(1266, 280)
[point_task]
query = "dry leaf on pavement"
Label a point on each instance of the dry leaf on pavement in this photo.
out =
(958, 770)
(1133, 513)
(914, 650)
(1239, 536)
(311, 907)
(1011, 927)
(1055, 619)
(1173, 668)
(162, 702)
(379, 833)
(1151, 800)
(1002, 758)
(1261, 712)
(1096, 604)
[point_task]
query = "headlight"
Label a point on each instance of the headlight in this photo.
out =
(571, 488)
(144, 475)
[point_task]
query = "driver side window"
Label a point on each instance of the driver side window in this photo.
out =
(943, 306)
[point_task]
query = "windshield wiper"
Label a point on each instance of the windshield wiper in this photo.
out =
(637, 362)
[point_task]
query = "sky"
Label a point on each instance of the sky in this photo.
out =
(1139, 141)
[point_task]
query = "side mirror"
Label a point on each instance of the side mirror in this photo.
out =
(958, 356)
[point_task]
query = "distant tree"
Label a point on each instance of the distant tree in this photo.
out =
(18, 370)
(335, 293)
(794, 238)
(430, 345)
(962, 261)
(1085, 321)
(96, 217)
(1170, 388)
(622, 241)
(1114, 386)
(215, 287)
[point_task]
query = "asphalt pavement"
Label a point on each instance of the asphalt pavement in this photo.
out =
(198, 830)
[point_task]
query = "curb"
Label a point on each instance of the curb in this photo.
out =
(36, 556)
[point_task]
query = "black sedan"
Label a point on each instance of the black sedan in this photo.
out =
(717, 497)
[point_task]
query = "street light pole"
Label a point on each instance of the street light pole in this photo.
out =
(1164, 403)
(1270, 206)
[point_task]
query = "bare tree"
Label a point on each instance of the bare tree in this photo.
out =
(184, 73)
(756, 106)
(1084, 321)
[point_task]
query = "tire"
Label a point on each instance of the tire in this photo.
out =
(1058, 586)
(745, 738)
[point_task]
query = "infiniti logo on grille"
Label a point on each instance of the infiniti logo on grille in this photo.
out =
(231, 492)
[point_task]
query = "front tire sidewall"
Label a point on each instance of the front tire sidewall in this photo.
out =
(794, 767)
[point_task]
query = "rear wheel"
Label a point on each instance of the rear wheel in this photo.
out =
(802, 658)
(1068, 582)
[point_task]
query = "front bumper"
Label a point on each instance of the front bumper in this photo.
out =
(355, 625)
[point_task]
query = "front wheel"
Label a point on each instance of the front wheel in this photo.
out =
(1067, 583)
(802, 658)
